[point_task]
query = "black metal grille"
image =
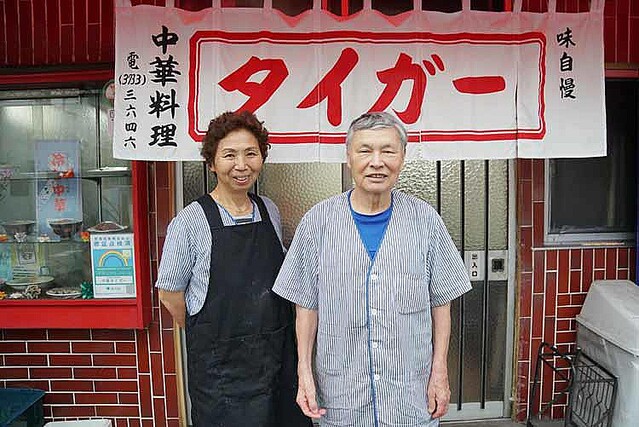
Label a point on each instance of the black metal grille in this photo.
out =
(591, 390)
(593, 394)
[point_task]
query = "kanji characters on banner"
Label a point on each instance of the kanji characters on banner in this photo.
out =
(467, 85)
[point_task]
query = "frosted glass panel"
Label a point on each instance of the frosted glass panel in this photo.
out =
(193, 177)
(475, 205)
(419, 178)
(472, 343)
(498, 209)
(211, 181)
(451, 202)
(496, 340)
(295, 188)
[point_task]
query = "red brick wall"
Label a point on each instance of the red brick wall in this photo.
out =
(58, 32)
(621, 25)
(62, 32)
(552, 285)
(127, 376)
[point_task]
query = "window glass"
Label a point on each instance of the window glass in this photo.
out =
(595, 198)
(59, 185)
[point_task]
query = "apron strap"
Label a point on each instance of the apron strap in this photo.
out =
(261, 206)
(211, 211)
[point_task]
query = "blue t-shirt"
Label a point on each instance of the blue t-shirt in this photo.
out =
(372, 227)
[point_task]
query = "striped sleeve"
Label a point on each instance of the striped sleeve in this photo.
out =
(298, 277)
(449, 279)
(276, 218)
(174, 272)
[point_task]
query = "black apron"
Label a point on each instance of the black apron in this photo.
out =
(242, 363)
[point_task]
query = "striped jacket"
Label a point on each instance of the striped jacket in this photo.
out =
(374, 341)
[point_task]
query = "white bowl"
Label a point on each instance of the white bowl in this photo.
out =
(21, 283)
(66, 227)
(17, 226)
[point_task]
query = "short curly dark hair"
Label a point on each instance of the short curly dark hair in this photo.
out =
(228, 122)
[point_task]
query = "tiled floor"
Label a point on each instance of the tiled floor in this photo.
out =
(483, 423)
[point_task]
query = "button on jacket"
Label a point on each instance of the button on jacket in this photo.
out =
(374, 338)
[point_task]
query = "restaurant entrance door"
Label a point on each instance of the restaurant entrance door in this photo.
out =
(473, 199)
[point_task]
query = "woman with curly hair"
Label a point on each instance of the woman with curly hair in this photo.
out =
(220, 260)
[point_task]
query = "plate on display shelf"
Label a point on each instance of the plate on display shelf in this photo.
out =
(106, 227)
(21, 283)
(64, 293)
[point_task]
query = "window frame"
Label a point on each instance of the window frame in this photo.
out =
(96, 313)
(567, 239)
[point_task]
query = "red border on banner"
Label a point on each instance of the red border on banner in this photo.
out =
(363, 37)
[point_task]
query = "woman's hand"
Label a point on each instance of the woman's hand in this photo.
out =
(175, 303)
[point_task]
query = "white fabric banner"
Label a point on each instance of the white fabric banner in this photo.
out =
(467, 85)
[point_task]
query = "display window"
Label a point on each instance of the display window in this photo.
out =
(68, 228)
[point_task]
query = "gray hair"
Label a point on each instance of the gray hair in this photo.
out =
(374, 121)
